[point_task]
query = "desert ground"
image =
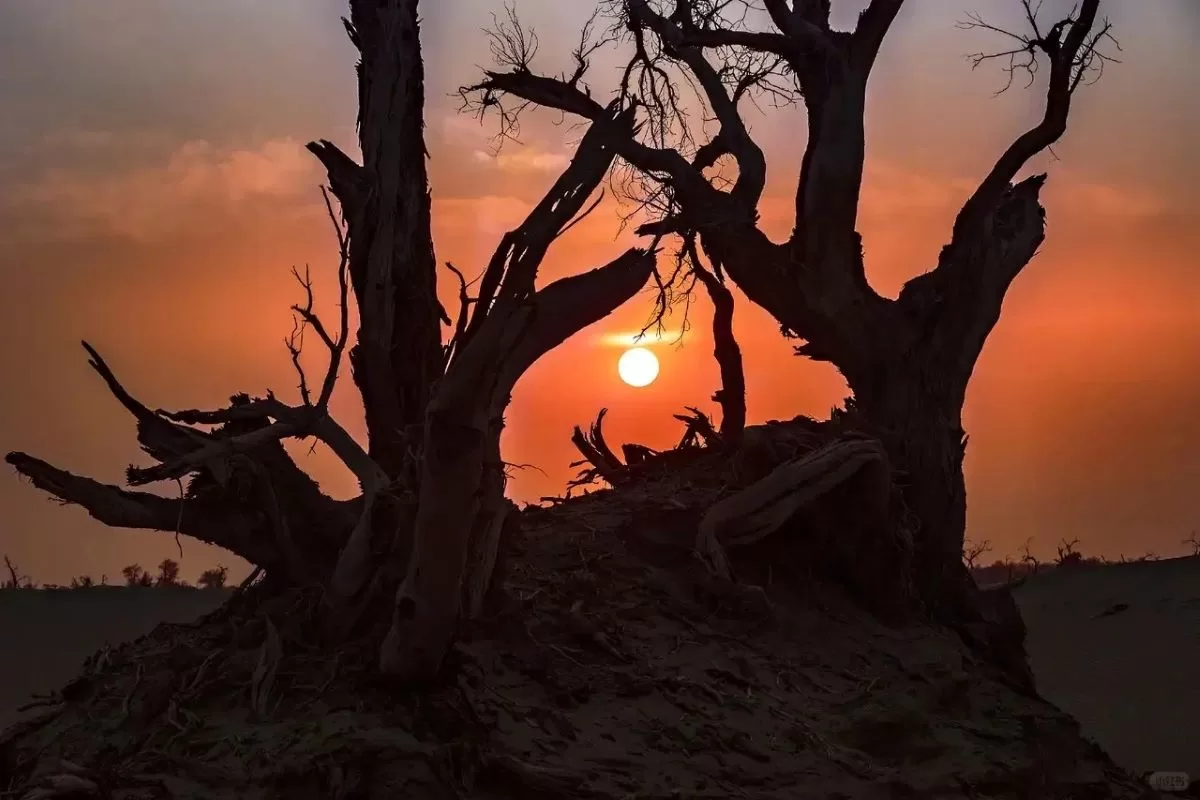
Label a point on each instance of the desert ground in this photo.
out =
(46, 635)
(1116, 646)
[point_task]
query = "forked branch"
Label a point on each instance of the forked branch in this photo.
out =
(1074, 49)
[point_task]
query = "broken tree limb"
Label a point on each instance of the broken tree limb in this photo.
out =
(763, 507)
(698, 430)
(159, 438)
(289, 421)
(221, 525)
(596, 452)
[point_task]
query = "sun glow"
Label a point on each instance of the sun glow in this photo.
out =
(638, 366)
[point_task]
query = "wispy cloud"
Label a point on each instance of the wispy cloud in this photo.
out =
(158, 200)
(526, 158)
(488, 216)
(634, 338)
(1109, 199)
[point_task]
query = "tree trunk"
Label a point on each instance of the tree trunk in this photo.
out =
(386, 202)
(922, 432)
(461, 512)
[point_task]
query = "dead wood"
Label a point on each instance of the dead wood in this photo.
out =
(907, 361)
(732, 395)
(596, 453)
(461, 487)
(765, 506)
(698, 431)
(439, 520)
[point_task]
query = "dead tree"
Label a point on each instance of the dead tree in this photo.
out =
(426, 528)
(15, 579)
(907, 361)
(973, 551)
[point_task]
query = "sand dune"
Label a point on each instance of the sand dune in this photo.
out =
(1116, 646)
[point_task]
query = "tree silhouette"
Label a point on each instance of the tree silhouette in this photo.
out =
(907, 361)
(168, 573)
(427, 527)
(15, 579)
(132, 573)
(973, 551)
(213, 578)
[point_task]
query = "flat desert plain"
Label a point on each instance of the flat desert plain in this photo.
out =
(1117, 646)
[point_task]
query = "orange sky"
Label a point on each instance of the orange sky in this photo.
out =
(156, 194)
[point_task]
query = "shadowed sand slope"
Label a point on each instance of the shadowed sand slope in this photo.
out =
(1118, 647)
(1127, 676)
(46, 635)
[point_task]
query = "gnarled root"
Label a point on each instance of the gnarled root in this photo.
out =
(843, 491)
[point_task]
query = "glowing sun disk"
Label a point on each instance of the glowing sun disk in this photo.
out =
(638, 366)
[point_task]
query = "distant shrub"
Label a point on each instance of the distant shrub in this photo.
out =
(213, 578)
(134, 575)
(168, 573)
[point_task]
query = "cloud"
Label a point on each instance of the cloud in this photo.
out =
(527, 158)
(493, 215)
(196, 181)
(1106, 199)
(461, 132)
(631, 338)
(78, 140)
(890, 188)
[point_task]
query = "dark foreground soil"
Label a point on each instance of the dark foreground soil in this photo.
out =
(616, 667)
(45, 634)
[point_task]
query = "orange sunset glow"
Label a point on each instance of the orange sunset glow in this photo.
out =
(156, 193)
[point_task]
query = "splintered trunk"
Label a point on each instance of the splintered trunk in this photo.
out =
(386, 202)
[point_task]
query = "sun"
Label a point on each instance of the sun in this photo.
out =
(638, 366)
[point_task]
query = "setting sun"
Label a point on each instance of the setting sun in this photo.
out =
(638, 366)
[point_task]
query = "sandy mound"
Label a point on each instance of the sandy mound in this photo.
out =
(616, 668)
(1118, 647)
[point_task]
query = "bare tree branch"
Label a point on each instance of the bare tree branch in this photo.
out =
(216, 524)
(1073, 48)
(288, 421)
(512, 270)
(732, 394)
(671, 33)
(306, 317)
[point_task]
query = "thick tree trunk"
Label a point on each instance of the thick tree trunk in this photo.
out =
(386, 201)
(922, 432)
(461, 512)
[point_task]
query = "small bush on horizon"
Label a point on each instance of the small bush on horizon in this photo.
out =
(214, 578)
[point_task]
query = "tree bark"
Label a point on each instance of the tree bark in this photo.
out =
(732, 394)
(386, 201)
(461, 477)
